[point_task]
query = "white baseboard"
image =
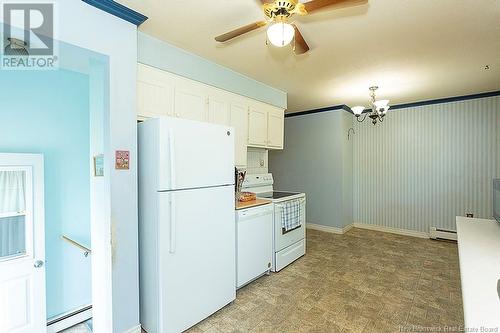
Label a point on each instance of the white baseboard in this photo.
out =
(341, 231)
(404, 232)
(71, 319)
(135, 329)
(332, 230)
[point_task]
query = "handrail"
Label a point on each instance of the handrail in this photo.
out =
(86, 250)
(12, 214)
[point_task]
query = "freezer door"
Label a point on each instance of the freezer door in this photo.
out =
(197, 255)
(194, 154)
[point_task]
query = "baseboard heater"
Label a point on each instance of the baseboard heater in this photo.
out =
(443, 234)
(69, 319)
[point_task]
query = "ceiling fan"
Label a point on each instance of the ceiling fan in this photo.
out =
(278, 14)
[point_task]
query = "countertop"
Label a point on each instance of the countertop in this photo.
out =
(248, 204)
(479, 253)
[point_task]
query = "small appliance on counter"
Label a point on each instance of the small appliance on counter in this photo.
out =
(239, 179)
(289, 238)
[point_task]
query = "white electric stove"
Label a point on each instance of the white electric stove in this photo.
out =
(287, 246)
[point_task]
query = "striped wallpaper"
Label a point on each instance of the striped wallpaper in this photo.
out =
(425, 165)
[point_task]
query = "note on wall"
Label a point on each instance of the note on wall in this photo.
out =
(122, 160)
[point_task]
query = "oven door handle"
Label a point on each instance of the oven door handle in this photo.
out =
(301, 201)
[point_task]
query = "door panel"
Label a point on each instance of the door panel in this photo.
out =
(195, 154)
(22, 248)
(197, 255)
(190, 101)
(218, 111)
(257, 127)
(275, 125)
(155, 92)
(239, 121)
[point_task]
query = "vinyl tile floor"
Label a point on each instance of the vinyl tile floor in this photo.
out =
(362, 281)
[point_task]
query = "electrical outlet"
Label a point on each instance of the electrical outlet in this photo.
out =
(262, 163)
(469, 215)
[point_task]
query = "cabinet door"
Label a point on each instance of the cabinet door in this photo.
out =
(155, 92)
(239, 120)
(190, 100)
(257, 127)
(275, 128)
(218, 110)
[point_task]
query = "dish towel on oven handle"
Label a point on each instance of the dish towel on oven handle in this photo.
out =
(290, 215)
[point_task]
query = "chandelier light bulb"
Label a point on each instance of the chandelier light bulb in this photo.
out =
(382, 104)
(357, 110)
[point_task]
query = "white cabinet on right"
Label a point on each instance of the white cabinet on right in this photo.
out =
(257, 127)
(275, 128)
(266, 127)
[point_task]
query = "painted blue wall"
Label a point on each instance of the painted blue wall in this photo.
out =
(48, 112)
(317, 160)
(159, 54)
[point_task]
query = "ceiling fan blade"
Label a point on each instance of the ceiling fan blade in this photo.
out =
(240, 31)
(266, 1)
(318, 4)
(301, 46)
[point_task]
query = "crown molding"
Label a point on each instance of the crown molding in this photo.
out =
(118, 10)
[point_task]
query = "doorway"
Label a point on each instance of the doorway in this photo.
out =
(59, 115)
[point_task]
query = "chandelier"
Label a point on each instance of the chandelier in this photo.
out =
(378, 109)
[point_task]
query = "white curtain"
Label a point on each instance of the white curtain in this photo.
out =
(12, 207)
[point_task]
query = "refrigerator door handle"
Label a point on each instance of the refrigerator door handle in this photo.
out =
(171, 142)
(172, 224)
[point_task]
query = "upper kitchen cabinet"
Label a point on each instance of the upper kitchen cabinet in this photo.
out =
(155, 92)
(257, 126)
(266, 127)
(191, 100)
(275, 128)
(219, 109)
(239, 120)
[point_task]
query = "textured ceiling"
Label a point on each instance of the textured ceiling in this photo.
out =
(413, 49)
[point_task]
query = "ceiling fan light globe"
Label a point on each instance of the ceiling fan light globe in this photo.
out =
(357, 110)
(280, 34)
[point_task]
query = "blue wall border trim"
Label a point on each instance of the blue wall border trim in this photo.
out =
(325, 109)
(401, 106)
(118, 10)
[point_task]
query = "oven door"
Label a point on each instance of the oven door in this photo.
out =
(284, 239)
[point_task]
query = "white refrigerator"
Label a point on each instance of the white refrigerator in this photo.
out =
(186, 222)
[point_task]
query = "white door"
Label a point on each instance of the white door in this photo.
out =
(22, 244)
(218, 110)
(275, 127)
(197, 255)
(155, 92)
(190, 100)
(194, 154)
(257, 127)
(239, 121)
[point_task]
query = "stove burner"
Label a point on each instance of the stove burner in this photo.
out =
(279, 195)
